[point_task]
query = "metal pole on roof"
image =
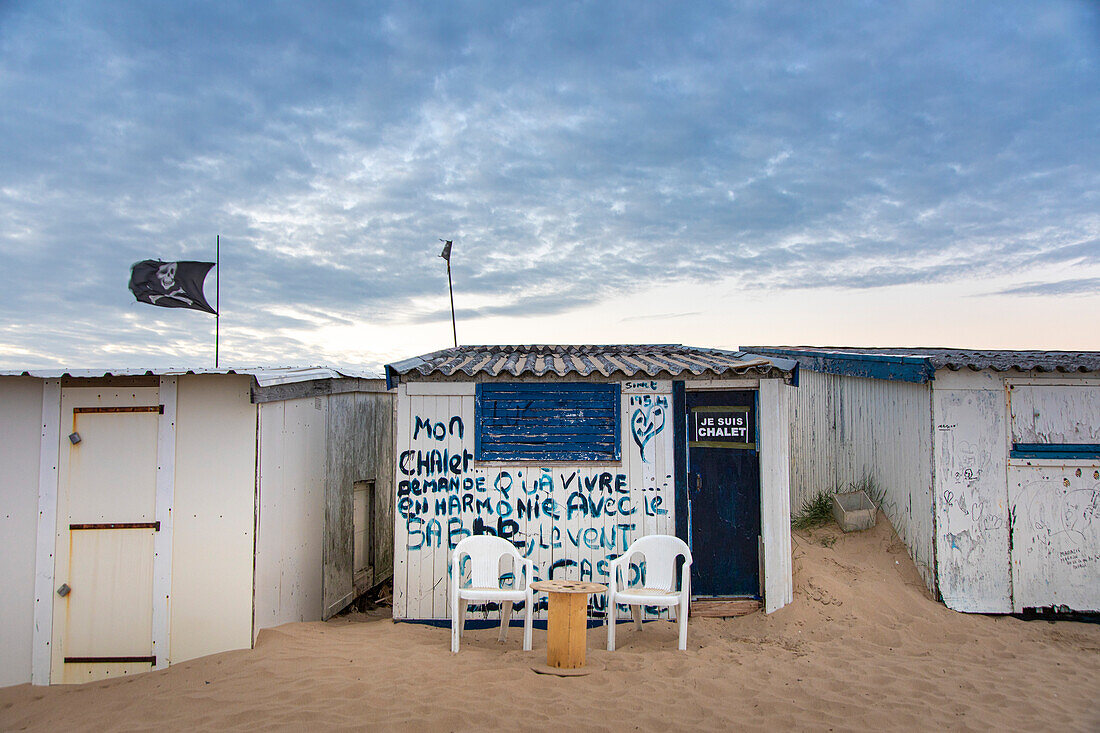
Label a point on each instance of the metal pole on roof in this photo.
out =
(446, 254)
(217, 298)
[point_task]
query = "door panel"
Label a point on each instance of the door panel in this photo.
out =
(110, 606)
(724, 493)
(1054, 502)
(106, 486)
(1055, 536)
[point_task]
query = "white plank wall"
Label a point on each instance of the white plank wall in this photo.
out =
(846, 428)
(163, 538)
(1056, 413)
(47, 530)
(775, 508)
(599, 508)
(971, 501)
(213, 516)
(21, 430)
(290, 525)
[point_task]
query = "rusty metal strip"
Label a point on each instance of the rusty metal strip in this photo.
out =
(110, 660)
(100, 410)
(118, 525)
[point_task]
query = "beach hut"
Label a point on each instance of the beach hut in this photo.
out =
(153, 516)
(988, 463)
(573, 452)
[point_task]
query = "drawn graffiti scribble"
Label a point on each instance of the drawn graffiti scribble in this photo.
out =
(1049, 511)
(647, 420)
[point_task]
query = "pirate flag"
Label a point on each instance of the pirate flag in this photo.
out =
(170, 284)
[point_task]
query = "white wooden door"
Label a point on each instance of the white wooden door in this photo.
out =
(1054, 495)
(106, 523)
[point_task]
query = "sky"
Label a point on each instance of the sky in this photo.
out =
(714, 174)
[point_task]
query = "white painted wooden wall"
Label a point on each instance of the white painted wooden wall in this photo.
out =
(1015, 533)
(204, 569)
(775, 493)
(971, 503)
(291, 517)
(940, 453)
(636, 498)
(20, 438)
(213, 516)
(846, 428)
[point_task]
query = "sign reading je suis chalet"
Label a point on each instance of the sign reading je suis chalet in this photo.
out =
(722, 427)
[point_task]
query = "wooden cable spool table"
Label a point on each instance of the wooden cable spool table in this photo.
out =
(566, 623)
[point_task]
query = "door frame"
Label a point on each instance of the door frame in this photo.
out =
(46, 539)
(1018, 590)
(773, 443)
(734, 493)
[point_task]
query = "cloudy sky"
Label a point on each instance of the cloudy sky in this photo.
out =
(922, 174)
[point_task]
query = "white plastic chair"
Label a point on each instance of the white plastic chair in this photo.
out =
(660, 552)
(485, 552)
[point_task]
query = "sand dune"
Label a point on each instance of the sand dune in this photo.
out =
(861, 647)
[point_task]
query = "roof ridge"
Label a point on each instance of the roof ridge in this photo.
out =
(663, 361)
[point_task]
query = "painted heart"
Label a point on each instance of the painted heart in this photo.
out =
(646, 423)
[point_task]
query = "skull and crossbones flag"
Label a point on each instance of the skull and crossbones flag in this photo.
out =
(170, 284)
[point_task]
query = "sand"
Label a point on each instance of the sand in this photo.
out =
(861, 647)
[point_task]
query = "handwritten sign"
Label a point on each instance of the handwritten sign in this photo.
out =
(722, 427)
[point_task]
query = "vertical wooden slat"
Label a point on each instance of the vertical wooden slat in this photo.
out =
(400, 531)
(47, 532)
(775, 518)
(162, 540)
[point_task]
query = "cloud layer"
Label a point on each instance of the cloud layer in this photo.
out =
(571, 150)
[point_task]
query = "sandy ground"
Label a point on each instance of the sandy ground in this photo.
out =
(861, 647)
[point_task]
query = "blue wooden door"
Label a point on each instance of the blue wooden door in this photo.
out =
(723, 477)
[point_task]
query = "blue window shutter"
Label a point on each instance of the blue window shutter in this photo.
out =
(1055, 451)
(569, 421)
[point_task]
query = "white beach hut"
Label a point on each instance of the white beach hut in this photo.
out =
(153, 516)
(573, 452)
(989, 462)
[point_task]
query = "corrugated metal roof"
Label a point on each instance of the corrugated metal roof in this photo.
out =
(651, 360)
(265, 376)
(953, 359)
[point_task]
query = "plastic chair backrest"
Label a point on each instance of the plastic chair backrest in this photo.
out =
(659, 552)
(485, 552)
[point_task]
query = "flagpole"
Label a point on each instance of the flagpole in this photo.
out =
(446, 254)
(450, 287)
(217, 298)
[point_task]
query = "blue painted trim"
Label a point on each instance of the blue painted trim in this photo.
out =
(756, 419)
(870, 366)
(557, 387)
(1056, 451)
(618, 423)
(540, 421)
(392, 377)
